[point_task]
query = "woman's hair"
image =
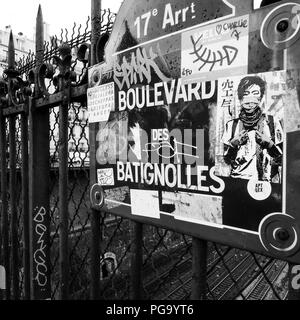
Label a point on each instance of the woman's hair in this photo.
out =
(249, 81)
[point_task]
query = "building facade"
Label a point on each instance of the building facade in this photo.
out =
(23, 46)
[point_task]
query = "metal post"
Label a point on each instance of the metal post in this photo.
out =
(96, 28)
(12, 176)
(13, 206)
(96, 215)
(11, 73)
(137, 262)
(4, 212)
(95, 255)
(199, 277)
(25, 205)
(39, 171)
(63, 201)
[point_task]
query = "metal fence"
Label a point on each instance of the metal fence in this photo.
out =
(169, 262)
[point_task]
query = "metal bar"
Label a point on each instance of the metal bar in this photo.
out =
(77, 94)
(95, 254)
(39, 207)
(63, 201)
(1, 248)
(25, 205)
(96, 28)
(39, 171)
(13, 110)
(4, 204)
(199, 278)
(96, 216)
(13, 206)
(137, 262)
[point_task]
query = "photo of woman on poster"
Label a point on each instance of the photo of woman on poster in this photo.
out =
(253, 141)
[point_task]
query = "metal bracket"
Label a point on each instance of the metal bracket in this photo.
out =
(97, 197)
(279, 234)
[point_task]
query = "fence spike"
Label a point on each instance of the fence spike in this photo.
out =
(39, 45)
(11, 52)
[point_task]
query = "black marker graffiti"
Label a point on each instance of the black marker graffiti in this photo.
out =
(212, 58)
(139, 67)
(227, 26)
(39, 255)
(159, 148)
(236, 34)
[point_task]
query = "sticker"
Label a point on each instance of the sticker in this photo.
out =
(259, 190)
(101, 101)
(108, 265)
(144, 203)
(2, 278)
(195, 207)
(112, 139)
(116, 197)
(250, 126)
(209, 52)
(292, 112)
(106, 177)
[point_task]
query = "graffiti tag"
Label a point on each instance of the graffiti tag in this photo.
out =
(39, 255)
(137, 69)
(206, 56)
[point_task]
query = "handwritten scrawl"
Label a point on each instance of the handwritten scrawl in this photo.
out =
(208, 57)
(139, 66)
(159, 148)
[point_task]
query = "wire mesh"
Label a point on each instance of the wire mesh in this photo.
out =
(78, 176)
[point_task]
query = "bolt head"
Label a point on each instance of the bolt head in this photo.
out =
(282, 235)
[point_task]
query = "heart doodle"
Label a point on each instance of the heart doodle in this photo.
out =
(219, 28)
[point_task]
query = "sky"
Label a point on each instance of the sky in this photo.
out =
(21, 14)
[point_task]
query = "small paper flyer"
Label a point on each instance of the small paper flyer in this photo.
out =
(101, 101)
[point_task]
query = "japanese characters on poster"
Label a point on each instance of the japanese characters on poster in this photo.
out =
(250, 126)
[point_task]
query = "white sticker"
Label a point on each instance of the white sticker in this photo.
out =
(259, 190)
(197, 207)
(101, 101)
(2, 278)
(210, 51)
(144, 203)
(106, 177)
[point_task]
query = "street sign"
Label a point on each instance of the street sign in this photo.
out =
(196, 121)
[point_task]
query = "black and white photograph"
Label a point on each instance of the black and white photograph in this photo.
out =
(149, 153)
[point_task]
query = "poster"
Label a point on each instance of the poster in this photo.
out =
(211, 51)
(195, 208)
(101, 101)
(250, 126)
(182, 147)
(200, 132)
